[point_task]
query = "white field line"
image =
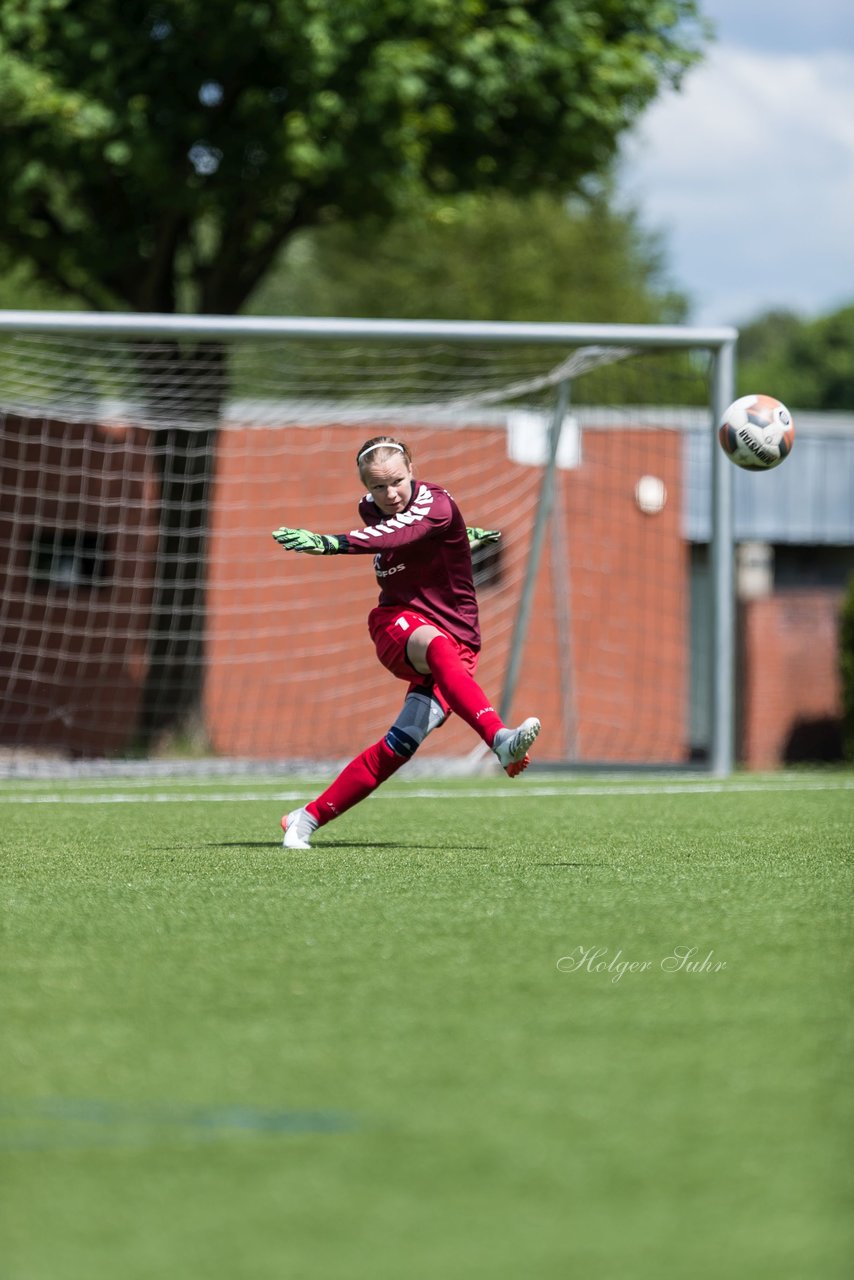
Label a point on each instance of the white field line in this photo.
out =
(522, 792)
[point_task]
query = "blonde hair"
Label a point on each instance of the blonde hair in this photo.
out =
(380, 448)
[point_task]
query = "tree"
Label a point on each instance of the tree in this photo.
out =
(484, 257)
(809, 364)
(157, 154)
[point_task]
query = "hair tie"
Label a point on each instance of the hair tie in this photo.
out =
(383, 444)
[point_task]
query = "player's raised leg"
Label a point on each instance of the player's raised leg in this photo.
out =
(430, 650)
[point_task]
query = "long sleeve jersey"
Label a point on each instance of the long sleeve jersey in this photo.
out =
(422, 559)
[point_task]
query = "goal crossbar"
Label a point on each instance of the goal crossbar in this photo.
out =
(499, 331)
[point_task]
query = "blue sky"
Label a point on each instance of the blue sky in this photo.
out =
(748, 171)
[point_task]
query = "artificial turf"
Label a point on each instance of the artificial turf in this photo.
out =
(416, 1050)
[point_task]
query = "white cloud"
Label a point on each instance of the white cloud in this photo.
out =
(749, 172)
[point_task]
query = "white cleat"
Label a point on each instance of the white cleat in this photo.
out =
(511, 746)
(298, 827)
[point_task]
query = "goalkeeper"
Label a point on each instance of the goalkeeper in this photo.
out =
(425, 626)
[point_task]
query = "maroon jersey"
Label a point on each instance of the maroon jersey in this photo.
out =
(422, 559)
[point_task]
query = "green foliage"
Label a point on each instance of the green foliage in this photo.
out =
(809, 364)
(846, 664)
(495, 257)
(157, 154)
(21, 289)
(483, 257)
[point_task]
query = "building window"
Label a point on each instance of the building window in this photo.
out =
(66, 558)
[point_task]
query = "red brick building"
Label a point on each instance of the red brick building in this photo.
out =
(78, 543)
(289, 669)
(626, 656)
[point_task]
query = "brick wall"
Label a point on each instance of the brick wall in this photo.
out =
(606, 661)
(790, 688)
(629, 597)
(74, 658)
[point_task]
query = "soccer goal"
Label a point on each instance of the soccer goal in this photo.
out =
(147, 611)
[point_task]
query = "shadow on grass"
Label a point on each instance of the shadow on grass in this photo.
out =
(569, 864)
(343, 844)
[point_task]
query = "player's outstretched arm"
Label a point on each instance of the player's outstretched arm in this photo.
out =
(481, 537)
(314, 544)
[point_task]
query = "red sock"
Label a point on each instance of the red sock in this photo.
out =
(356, 781)
(461, 691)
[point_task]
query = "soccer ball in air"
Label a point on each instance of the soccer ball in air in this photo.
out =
(757, 433)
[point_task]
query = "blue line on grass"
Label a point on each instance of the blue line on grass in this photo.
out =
(52, 1124)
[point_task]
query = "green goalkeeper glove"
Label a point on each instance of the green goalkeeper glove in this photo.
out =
(316, 544)
(482, 537)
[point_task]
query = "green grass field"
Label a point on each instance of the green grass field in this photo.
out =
(416, 1051)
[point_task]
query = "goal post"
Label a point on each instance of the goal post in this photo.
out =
(145, 459)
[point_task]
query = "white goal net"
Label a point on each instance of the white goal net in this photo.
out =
(147, 611)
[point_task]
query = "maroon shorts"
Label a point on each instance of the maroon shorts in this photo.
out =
(390, 629)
